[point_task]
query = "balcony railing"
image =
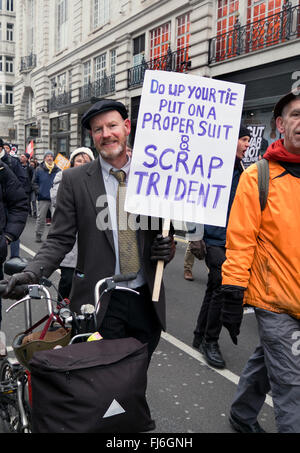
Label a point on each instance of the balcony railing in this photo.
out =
(177, 61)
(261, 34)
(28, 63)
(60, 101)
(99, 88)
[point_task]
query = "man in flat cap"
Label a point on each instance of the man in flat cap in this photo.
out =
(262, 270)
(86, 198)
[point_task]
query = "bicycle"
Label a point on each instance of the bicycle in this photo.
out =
(15, 383)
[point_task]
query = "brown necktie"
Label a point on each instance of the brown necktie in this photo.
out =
(128, 247)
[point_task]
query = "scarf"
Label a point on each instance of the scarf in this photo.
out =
(277, 151)
(50, 167)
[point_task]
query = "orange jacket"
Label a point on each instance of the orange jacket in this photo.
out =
(263, 248)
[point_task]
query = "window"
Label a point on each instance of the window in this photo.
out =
(159, 41)
(9, 64)
(61, 83)
(87, 72)
(52, 87)
(265, 32)
(100, 67)
(113, 61)
(183, 31)
(101, 13)
(62, 23)
(227, 13)
(1, 63)
(1, 96)
(9, 95)
(183, 42)
(138, 49)
(30, 26)
(9, 32)
(9, 5)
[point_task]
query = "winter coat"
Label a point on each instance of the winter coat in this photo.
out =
(43, 181)
(263, 248)
(28, 173)
(70, 259)
(216, 235)
(13, 208)
(16, 167)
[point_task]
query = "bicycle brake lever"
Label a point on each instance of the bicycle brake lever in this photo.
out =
(124, 288)
(17, 303)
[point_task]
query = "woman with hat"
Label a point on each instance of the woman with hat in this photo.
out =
(79, 156)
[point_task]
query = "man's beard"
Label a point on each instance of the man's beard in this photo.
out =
(111, 155)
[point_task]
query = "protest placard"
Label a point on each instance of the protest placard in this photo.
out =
(185, 147)
(253, 152)
(62, 162)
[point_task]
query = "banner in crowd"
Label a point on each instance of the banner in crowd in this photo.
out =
(62, 162)
(253, 152)
(185, 148)
(30, 148)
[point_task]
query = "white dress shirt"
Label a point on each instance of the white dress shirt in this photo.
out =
(111, 188)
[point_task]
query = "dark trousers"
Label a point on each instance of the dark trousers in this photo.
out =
(131, 315)
(209, 324)
(65, 282)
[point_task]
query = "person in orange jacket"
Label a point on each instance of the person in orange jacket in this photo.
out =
(262, 269)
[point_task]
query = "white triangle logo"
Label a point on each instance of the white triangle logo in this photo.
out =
(114, 409)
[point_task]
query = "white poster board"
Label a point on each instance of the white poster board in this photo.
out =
(185, 147)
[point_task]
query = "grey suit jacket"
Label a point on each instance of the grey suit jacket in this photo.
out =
(80, 211)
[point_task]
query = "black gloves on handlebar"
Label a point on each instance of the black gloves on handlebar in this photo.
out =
(163, 248)
(232, 309)
(16, 285)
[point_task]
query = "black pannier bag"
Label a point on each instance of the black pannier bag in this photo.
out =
(92, 387)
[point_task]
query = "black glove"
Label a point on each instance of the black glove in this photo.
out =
(232, 309)
(17, 285)
(163, 249)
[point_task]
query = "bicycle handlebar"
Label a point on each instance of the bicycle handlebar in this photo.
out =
(124, 277)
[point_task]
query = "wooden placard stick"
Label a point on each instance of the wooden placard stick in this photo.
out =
(160, 265)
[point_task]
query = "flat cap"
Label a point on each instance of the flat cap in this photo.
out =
(283, 102)
(103, 106)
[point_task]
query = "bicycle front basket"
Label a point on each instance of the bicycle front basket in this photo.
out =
(25, 346)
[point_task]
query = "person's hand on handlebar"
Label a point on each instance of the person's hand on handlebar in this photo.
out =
(16, 285)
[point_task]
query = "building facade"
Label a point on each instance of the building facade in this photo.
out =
(74, 52)
(7, 69)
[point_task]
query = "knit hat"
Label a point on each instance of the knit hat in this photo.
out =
(84, 150)
(244, 131)
(49, 152)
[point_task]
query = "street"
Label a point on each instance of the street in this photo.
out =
(185, 395)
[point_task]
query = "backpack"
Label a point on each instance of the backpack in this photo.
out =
(263, 181)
